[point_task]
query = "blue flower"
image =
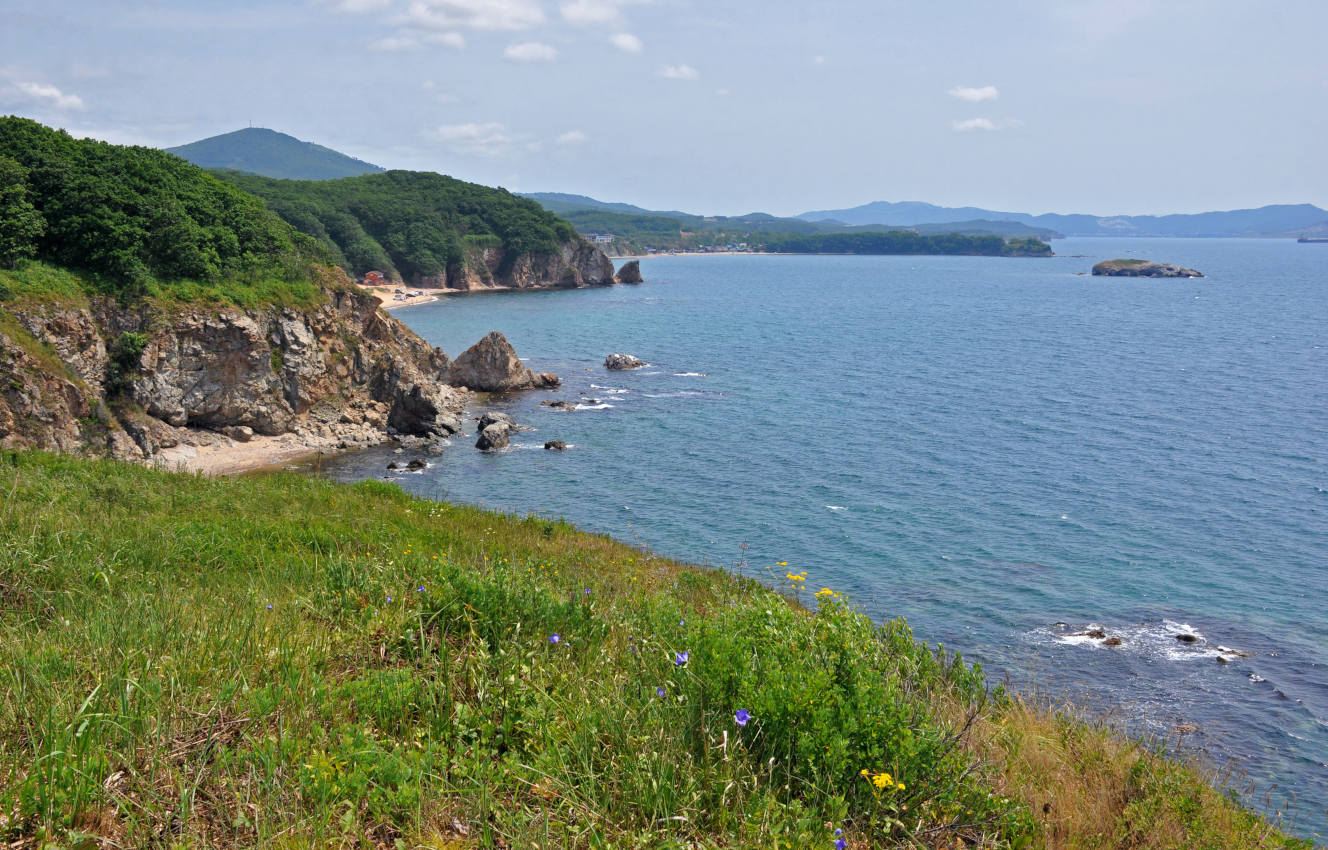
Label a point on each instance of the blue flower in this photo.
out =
(554, 638)
(419, 589)
(838, 832)
(682, 622)
(680, 658)
(741, 717)
(587, 591)
(389, 599)
(660, 692)
(840, 844)
(269, 607)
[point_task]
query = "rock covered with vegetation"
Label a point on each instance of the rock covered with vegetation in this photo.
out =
(1141, 268)
(141, 297)
(435, 231)
(283, 661)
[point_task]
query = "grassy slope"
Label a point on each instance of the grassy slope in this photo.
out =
(275, 661)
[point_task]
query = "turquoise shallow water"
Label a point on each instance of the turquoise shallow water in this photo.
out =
(986, 446)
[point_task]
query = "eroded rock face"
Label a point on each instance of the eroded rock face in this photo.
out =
(630, 273)
(339, 370)
(620, 362)
(1141, 268)
(491, 365)
(576, 264)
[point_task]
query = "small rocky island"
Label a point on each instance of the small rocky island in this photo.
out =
(1141, 268)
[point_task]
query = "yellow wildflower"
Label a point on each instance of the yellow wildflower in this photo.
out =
(864, 772)
(882, 781)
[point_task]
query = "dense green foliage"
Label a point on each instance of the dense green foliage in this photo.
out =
(280, 661)
(21, 225)
(408, 223)
(907, 242)
(260, 151)
(638, 232)
(133, 216)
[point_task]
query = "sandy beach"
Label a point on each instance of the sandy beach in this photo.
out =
(387, 295)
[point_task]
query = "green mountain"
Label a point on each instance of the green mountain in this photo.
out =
(135, 217)
(1274, 220)
(636, 230)
(410, 224)
(256, 150)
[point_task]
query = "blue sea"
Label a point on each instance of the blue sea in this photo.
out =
(1006, 452)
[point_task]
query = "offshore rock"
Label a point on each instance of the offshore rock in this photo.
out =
(495, 436)
(491, 365)
(1141, 268)
(630, 273)
(619, 362)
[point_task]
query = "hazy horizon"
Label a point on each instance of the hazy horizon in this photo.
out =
(1130, 107)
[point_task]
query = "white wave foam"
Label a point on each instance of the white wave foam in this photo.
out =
(837, 507)
(593, 406)
(690, 375)
(1153, 640)
(609, 390)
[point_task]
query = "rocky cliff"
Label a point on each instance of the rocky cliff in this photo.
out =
(577, 263)
(97, 376)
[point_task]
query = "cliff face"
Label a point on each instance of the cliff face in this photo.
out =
(103, 378)
(577, 264)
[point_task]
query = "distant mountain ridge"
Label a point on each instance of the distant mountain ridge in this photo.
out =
(257, 150)
(1273, 220)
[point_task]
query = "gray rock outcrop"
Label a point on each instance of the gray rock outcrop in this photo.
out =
(95, 376)
(575, 264)
(620, 362)
(1141, 268)
(491, 365)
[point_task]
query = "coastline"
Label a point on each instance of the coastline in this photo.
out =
(231, 457)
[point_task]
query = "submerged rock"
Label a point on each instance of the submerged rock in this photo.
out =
(491, 365)
(1184, 638)
(1141, 268)
(619, 362)
(1112, 641)
(555, 445)
(630, 273)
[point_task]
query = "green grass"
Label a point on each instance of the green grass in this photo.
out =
(277, 661)
(37, 281)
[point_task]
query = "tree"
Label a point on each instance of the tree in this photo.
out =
(21, 225)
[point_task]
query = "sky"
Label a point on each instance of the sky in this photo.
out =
(722, 106)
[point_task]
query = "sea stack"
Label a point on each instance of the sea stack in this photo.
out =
(630, 273)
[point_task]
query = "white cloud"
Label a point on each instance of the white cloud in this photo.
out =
(627, 43)
(573, 137)
(50, 95)
(974, 95)
(530, 51)
(679, 72)
(819, 60)
(472, 14)
(986, 124)
(490, 139)
(591, 12)
(358, 5)
(453, 40)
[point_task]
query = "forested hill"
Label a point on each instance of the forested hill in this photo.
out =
(257, 150)
(133, 216)
(407, 223)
